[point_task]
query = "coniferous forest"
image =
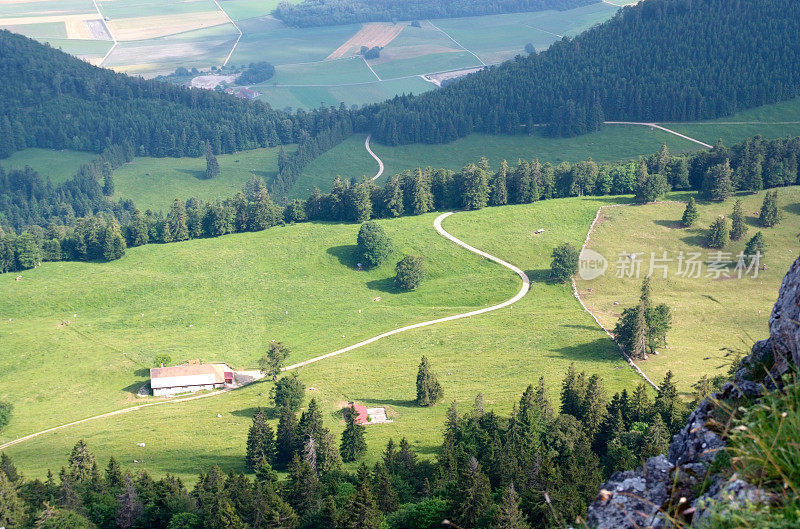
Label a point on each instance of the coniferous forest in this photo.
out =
(664, 60)
(331, 12)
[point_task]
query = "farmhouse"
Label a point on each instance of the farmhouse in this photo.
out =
(189, 378)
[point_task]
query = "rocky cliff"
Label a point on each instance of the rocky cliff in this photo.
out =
(638, 499)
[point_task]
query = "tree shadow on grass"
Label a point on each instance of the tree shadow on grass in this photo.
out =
(143, 372)
(671, 224)
(347, 254)
(135, 387)
(541, 275)
(793, 209)
(386, 285)
(600, 350)
(697, 237)
(196, 173)
(382, 403)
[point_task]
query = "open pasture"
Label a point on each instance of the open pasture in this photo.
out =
(297, 284)
(56, 165)
(710, 312)
(370, 35)
(153, 183)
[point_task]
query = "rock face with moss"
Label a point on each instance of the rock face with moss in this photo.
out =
(681, 485)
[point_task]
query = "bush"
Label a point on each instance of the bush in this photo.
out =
(374, 246)
(565, 262)
(410, 272)
(690, 213)
(288, 391)
(6, 409)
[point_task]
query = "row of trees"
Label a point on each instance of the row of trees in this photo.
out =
(333, 12)
(537, 467)
(659, 60)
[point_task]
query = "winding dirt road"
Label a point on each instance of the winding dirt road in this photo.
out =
(438, 225)
(380, 162)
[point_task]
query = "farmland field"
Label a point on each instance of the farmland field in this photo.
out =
(710, 313)
(308, 295)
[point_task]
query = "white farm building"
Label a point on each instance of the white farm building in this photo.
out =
(189, 378)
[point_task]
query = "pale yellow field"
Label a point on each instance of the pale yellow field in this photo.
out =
(142, 28)
(370, 35)
(75, 24)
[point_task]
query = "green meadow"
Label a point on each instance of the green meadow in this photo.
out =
(710, 312)
(57, 165)
(153, 183)
(297, 284)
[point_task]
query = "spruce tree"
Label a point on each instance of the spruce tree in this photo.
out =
(429, 391)
(755, 245)
(260, 441)
(669, 405)
(362, 510)
(113, 241)
(770, 214)
(393, 197)
(113, 474)
(177, 221)
(108, 185)
(130, 508)
(594, 406)
(690, 214)
(754, 178)
(302, 489)
(656, 440)
(573, 392)
(212, 165)
(12, 509)
(80, 462)
(717, 184)
(543, 401)
(286, 442)
(474, 496)
(271, 363)
(509, 515)
(421, 196)
(353, 444)
(475, 187)
(738, 227)
(384, 490)
(719, 234)
(499, 194)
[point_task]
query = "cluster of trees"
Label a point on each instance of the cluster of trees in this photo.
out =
(333, 12)
(661, 60)
(536, 468)
(257, 72)
(643, 328)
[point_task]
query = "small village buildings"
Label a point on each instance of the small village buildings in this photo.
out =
(165, 381)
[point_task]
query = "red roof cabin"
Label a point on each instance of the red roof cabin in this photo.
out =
(361, 413)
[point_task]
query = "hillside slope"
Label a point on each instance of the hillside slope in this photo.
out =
(667, 60)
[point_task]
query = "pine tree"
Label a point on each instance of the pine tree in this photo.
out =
(212, 165)
(573, 392)
(717, 184)
(80, 463)
(108, 185)
(755, 245)
(690, 214)
(770, 214)
(663, 160)
(668, 404)
(475, 187)
(113, 474)
(302, 487)
(754, 177)
(478, 406)
(656, 440)
(509, 515)
(113, 241)
(286, 439)
(130, 508)
(543, 401)
(719, 234)
(353, 444)
(271, 363)
(177, 221)
(260, 441)
(358, 202)
(421, 196)
(738, 227)
(12, 509)
(385, 492)
(429, 391)
(474, 496)
(362, 510)
(499, 194)
(393, 197)
(594, 406)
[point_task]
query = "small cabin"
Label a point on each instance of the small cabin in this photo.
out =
(165, 381)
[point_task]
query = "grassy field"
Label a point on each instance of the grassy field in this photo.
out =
(295, 284)
(350, 159)
(153, 183)
(709, 313)
(58, 165)
(45, 8)
(245, 9)
(770, 121)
